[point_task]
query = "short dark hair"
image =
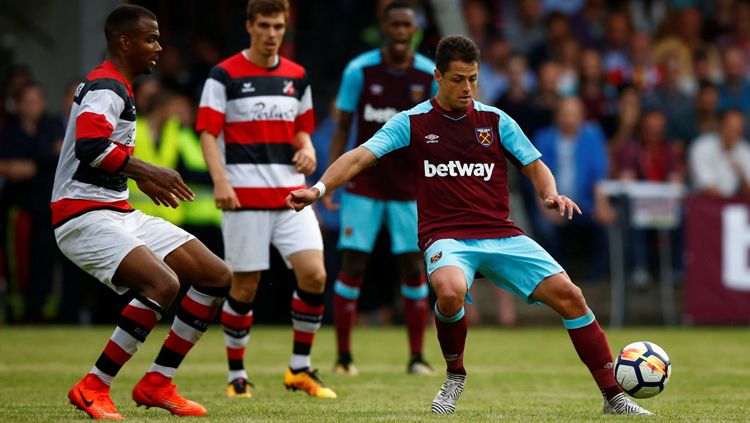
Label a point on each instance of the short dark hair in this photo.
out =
(455, 47)
(122, 19)
(395, 5)
(732, 111)
(267, 8)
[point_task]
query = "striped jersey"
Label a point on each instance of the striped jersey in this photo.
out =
(374, 92)
(98, 143)
(255, 112)
(460, 162)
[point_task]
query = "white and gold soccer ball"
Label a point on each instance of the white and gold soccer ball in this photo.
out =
(642, 369)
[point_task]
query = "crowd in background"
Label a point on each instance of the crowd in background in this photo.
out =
(632, 90)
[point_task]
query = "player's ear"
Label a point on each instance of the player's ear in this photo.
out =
(123, 42)
(248, 25)
(438, 75)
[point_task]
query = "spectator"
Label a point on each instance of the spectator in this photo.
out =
(720, 162)
(593, 89)
(29, 148)
(524, 29)
(516, 101)
(590, 23)
(734, 93)
(626, 120)
(650, 157)
(570, 58)
(576, 154)
(669, 97)
(642, 71)
(557, 27)
(493, 72)
(615, 53)
(547, 96)
(145, 88)
(703, 117)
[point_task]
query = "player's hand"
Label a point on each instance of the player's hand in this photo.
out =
(167, 184)
(562, 204)
(226, 198)
(304, 160)
(157, 194)
(301, 198)
(328, 202)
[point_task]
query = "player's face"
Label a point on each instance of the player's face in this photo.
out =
(399, 28)
(144, 46)
(458, 84)
(266, 33)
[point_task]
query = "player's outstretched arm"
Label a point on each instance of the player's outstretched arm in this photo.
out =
(546, 188)
(164, 186)
(340, 172)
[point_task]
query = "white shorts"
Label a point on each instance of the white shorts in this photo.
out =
(98, 240)
(248, 234)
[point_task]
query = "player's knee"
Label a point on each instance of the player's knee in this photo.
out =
(313, 280)
(573, 298)
(354, 268)
(219, 275)
(163, 288)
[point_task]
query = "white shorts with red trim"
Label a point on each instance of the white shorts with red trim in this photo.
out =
(97, 241)
(248, 234)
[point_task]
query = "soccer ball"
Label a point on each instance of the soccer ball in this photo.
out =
(642, 369)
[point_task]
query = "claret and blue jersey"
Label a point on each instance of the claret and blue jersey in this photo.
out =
(461, 178)
(374, 92)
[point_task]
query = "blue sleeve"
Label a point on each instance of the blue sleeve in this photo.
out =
(515, 141)
(350, 89)
(392, 136)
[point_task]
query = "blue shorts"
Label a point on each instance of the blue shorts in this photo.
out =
(516, 264)
(362, 217)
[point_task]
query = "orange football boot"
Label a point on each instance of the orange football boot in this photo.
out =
(91, 395)
(157, 390)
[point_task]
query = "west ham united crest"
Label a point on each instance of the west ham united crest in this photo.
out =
(417, 92)
(484, 136)
(436, 257)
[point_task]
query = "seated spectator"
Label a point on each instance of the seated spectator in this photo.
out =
(523, 26)
(576, 154)
(516, 101)
(720, 161)
(593, 89)
(621, 125)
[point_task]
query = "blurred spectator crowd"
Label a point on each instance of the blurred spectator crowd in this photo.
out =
(632, 90)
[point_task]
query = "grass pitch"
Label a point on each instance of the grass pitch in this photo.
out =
(517, 375)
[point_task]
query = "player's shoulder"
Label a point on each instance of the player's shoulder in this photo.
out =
(365, 60)
(102, 79)
(290, 68)
(423, 63)
(419, 109)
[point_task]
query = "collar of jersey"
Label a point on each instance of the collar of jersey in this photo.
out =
(455, 116)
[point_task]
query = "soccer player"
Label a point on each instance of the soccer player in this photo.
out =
(124, 248)
(377, 85)
(258, 106)
(459, 146)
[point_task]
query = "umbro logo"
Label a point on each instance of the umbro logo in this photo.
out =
(432, 138)
(247, 87)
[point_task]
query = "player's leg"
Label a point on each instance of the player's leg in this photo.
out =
(416, 303)
(361, 219)
(247, 235)
(298, 239)
(588, 338)
(401, 218)
(237, 321)
(209, 279)
(100, 243)
(521, 266)
(451, 269)
(345, 297)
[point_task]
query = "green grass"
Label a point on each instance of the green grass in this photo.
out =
(519, 375)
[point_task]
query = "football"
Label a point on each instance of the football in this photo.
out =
(642, 369)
